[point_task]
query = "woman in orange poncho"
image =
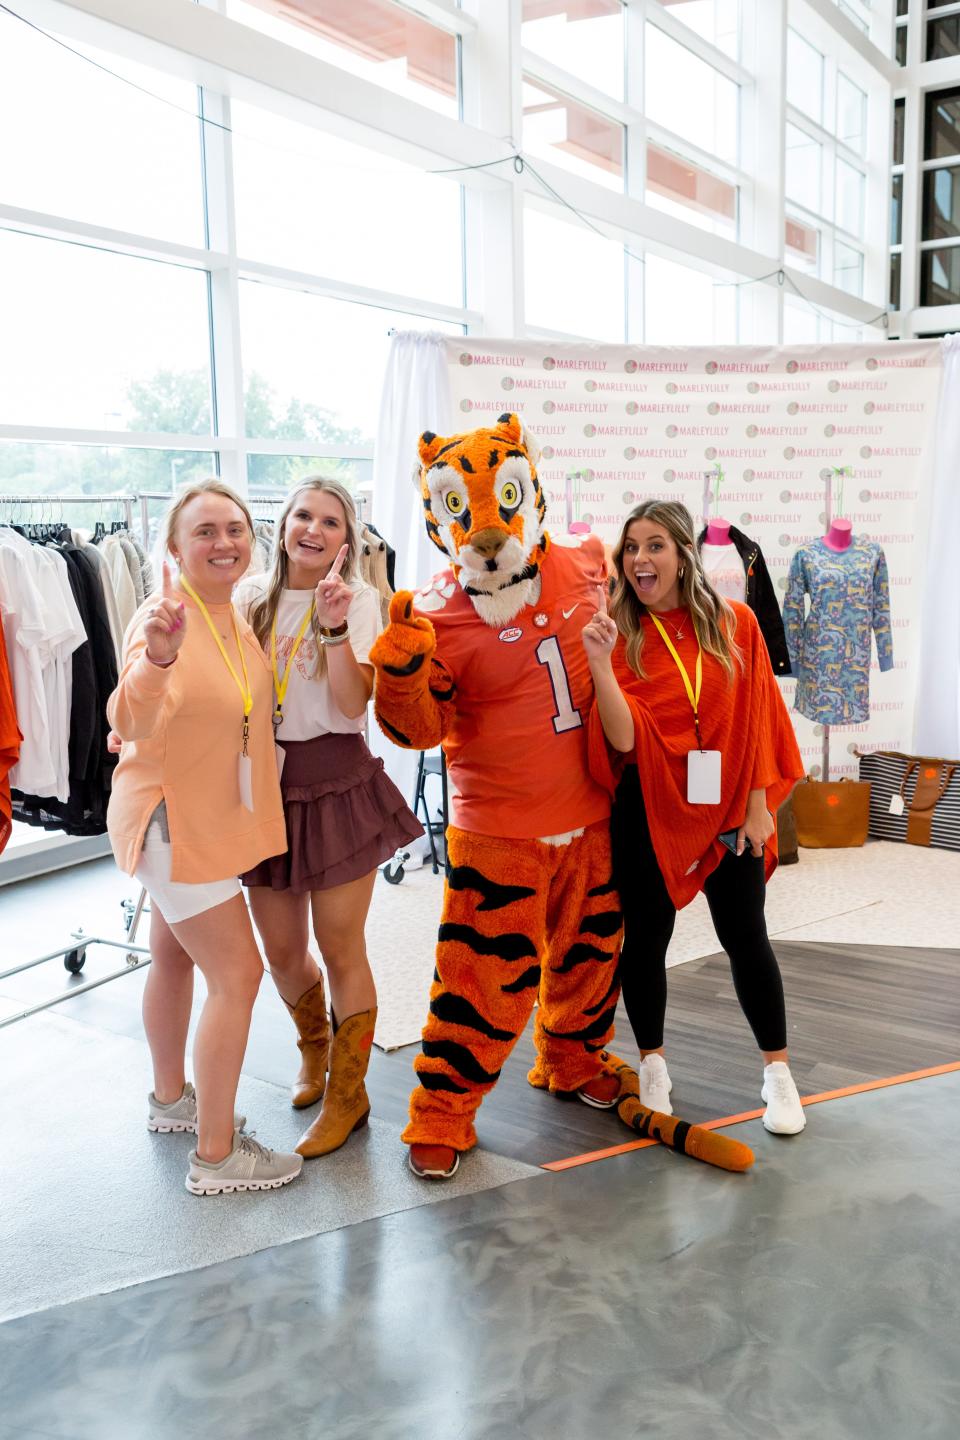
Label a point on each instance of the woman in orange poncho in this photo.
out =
(685, 693)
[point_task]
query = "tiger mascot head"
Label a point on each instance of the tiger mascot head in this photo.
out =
(485, 510)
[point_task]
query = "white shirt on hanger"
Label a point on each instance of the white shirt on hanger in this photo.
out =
(42, 628)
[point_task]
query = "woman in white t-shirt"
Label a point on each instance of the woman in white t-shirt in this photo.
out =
(316, 621)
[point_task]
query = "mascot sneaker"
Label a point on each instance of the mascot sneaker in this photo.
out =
(434, 1162)
(249, 1166)
(180, 1115)
(655, 1084)
(784, 1113)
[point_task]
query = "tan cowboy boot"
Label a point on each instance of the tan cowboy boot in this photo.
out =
(346, 1106)
(313, 1028)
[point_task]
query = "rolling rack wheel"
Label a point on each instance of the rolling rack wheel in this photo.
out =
(74, 960)
(393, 871)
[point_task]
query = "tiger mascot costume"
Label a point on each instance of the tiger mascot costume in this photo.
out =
(487, 659)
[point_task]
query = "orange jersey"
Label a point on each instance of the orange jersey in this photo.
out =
(517, 749)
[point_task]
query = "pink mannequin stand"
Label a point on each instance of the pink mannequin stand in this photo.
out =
(839, 535)
(718, 533)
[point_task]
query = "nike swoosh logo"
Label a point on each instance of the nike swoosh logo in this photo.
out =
(567, 613)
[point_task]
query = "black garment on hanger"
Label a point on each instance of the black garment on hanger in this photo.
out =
(391, 554)
(760, 596)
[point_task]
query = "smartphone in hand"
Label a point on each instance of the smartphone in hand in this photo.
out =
(729, 838)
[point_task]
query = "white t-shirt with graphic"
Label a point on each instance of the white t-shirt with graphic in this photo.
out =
(309, 708)
(724, 569)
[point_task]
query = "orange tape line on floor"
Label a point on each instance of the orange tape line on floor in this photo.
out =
(611, 1151)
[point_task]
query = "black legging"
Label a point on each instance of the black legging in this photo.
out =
(735, 893)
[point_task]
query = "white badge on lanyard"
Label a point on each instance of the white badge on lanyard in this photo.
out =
(245, 776)
(703, 777)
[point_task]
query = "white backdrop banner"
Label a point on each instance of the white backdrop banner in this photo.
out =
(621, 424)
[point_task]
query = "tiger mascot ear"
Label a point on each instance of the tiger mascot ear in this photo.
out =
(429, 447)
(520, 435)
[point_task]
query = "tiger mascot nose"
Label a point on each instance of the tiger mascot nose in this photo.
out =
(489, 542)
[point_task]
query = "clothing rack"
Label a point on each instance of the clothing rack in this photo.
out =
(13, 501)
(74, 954)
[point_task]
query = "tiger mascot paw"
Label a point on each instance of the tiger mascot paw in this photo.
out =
(407, 642)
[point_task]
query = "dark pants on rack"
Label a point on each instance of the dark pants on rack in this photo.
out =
(735, 893)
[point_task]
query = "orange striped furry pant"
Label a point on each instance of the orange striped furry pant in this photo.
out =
(521, 919)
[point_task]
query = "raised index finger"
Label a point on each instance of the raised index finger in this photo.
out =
(337, 565)
(602, 598)
(166, 587)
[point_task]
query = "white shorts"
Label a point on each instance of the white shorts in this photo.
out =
(174, 899)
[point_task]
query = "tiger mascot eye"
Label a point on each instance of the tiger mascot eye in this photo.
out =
(487, 660)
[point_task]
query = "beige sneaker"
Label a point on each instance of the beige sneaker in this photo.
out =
(180, 1115)
(249, 1166)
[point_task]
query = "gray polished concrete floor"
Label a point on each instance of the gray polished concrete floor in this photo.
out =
(647, 1295)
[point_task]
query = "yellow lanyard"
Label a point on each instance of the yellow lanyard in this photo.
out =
(693, 695)
(246, 693)
(280, 686)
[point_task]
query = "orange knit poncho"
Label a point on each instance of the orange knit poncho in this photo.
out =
(744, 718)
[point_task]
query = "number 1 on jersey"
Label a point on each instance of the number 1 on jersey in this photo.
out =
(548, 653)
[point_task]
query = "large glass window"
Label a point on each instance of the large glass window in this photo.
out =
(804, 76)
(573, 278)
(306, 200)
(572, 136)
(940, 276)
(584, 37)
(82, 143)
(851, 114)
(680, 188)
(275, 474)
(804, 164)
(716, 20)
(685, 307)
(851, 185)
(943, 37)
(941, 203)
(896, 211)
(847, 268)
(941, 132)
(689, 97)
(899, 110)
(82, 329)
(802, 243)
(38, 470)
(377, 40)
(894, 302)
(313, 367)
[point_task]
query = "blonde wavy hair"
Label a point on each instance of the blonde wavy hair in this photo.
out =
(713, 619)
(213, 486)
(263, 612)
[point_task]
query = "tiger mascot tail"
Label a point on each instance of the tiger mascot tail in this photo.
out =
(487, 660)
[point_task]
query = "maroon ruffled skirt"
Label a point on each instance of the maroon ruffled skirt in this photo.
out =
(343, 813)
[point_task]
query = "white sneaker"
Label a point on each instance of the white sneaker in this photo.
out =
(249, 1166)
(655, 1084)
(180, 1115)
(784, 1114)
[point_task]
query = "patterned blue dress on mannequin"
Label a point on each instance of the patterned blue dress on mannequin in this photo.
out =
(829, 645)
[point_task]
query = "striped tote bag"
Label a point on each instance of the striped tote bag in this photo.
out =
(913, 798)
